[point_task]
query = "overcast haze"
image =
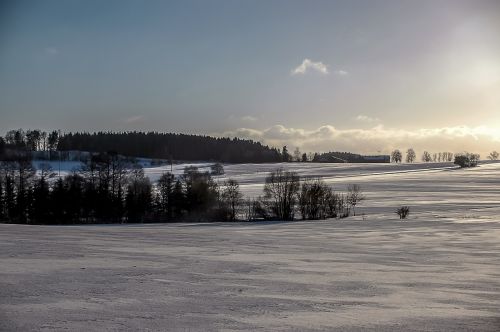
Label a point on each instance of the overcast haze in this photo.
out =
(363, 76)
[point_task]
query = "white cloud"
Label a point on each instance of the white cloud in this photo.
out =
(366, 118)
(328, 138)
(307, 65)
(341, 72)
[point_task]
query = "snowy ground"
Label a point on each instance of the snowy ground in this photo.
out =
(438, 271)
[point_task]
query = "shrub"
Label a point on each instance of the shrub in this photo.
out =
(403, 212)
(493, 155)
(466, 159)
(354, 196)
(217, 169)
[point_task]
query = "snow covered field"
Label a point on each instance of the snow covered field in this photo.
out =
(437, 271)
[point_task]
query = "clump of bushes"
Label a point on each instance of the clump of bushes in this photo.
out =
(217, 169)
(403, 212)
(284, 196)
(466, 159)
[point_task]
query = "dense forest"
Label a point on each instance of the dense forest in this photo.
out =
(144, 144)
(170, 146)
(164, 146)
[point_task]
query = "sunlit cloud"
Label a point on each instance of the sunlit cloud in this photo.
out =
(308, 65)
(328, 138)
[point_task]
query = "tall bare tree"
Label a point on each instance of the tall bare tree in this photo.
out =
(426, 157)
(354, 196)
(231, 198)
(280, 190)
(493, 155)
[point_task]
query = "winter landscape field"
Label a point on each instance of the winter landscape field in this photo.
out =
(438, 270)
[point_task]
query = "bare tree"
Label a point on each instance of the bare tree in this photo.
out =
(396, 156)
(354, 196)
(403, 212)
(52, 141)
(426, 157)
(296, 155)
(493, 155)
(312, 199)
(410, 155)
(43, 141)
(231, 198)
(280, 190)
(250, 211)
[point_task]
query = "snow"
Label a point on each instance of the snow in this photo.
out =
(437, 271)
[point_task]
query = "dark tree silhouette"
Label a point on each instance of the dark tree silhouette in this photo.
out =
(281, 190)
(230, 199)
(411, 156)
(165, 196)
(354, 196)
(396, 156)
(168, 146)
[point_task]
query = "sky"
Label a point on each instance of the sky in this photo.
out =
(360, 76)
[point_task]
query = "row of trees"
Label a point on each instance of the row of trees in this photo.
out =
(112, 189)
(187, 147)
(31, 140)
(285, 195)
(144, 144)
(411, 156)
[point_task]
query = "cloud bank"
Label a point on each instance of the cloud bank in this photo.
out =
(377, 139)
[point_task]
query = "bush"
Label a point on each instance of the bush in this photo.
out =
(403, 212)
(217, 169)
(312, 199)
(466, 159)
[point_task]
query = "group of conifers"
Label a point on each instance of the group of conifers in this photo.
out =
(111, 188)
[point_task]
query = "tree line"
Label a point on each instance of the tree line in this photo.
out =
(56, 145)
(113, 189)
(153, 145)
(464, 159)
(411, 156)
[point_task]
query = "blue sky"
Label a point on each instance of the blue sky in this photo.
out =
(322, 75)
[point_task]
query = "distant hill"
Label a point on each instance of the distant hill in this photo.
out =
(347, 157)
(170, 145)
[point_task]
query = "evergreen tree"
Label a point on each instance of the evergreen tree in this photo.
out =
(165, 188)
